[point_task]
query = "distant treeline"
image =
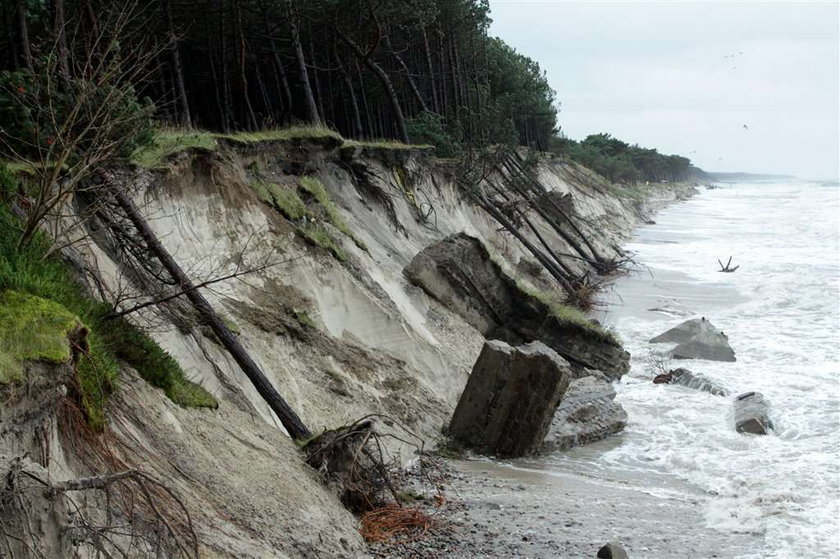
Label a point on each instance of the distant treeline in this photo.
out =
(619, 161)
(411, 70)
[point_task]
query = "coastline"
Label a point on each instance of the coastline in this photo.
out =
(514, 509)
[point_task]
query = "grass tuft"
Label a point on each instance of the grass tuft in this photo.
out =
(168, 142)
(316, 188)
(568, 315)
(318, 236)
(379, 143)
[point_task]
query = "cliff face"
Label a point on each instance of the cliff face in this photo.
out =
(325, 310)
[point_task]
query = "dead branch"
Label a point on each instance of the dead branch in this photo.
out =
(727, 269)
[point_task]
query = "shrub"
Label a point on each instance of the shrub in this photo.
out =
(429, 128)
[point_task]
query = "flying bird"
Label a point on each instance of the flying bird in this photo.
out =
(746, 127)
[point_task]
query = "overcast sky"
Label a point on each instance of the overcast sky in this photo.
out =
(685, 77)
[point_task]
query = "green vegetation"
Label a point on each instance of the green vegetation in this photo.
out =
(314, 187)
(28, 272)
(318, 236)
(566, 314)
(385, 144)
(32, 329)
(620, 162)
(303, 318)
(289, 203)
(168, 142)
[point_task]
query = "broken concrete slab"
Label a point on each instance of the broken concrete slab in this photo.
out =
(752, 414)
(588, 412)
(459, 273)
(697, 339)
(510, 398)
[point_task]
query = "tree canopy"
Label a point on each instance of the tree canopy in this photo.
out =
(414, 70)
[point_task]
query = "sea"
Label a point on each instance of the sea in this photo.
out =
(781, 312)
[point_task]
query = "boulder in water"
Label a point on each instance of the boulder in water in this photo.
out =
(751, 414)
(588, 412)
(686, 378)
(697, 339)
(612, 551)
(510, 398)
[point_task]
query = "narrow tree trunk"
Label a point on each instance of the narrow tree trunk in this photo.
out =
(23, 31)
(290, 420)
(387, 85)
(414, 90)
(356, 119)
(368, 117)
(61, 38)
(177, 68)
(243, 76)
(309, 99)
(284, 80)
(490, 208)
(431, 71)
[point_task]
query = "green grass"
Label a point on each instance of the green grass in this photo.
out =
(168, 142)
(28, 271)
(318, 236)
(316, 188)
(281, 134)
(32, 329)
(303, 318)
(289, 203)
(566, 314)
(380, 143)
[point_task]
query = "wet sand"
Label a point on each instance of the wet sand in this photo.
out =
(506, 510)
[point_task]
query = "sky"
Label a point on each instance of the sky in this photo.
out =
(735, 86)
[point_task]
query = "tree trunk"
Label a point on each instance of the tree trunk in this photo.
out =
(177, 68)
(24, 35)
(387, 85)
(243, 76)
(354, 105)
(414, 90)
(290, 420)
(284, 80)
(431, 71)
(309, 99)
(61, 38)
(490, 208)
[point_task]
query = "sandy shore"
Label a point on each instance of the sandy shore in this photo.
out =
(501, 510)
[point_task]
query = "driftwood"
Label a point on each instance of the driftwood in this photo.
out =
(727, 269)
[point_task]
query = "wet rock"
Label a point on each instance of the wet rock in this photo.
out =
(684, 377)
(459, 273)
(588, 412)
(697, 339)
(751, 414)
(510, 398)
(612, 551)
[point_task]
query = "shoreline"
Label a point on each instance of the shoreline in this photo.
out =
(502, 509)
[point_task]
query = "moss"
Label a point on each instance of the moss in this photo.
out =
(231, 325)
(34, 329)
(11, 370)
(303, 318)
(27, 271)
(155, 365)
(318, 236)
(568, 315)
(316, 188)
